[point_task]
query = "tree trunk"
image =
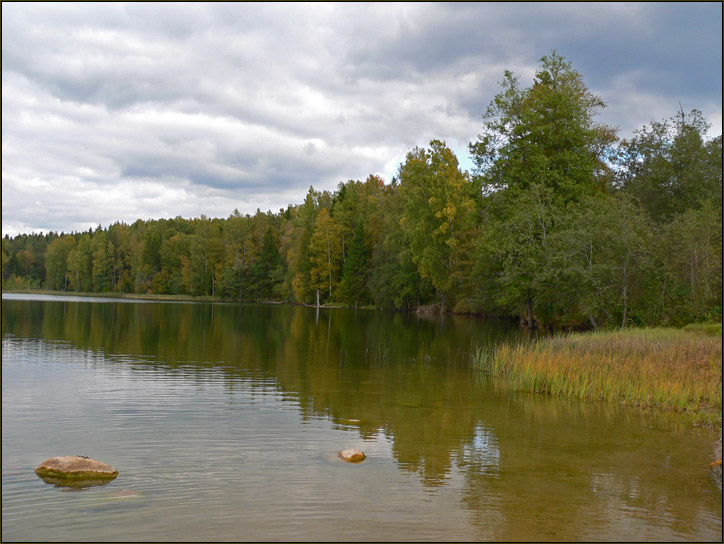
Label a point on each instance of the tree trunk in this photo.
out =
(329, 265)
(531, 321)
(592, 320)
(317, 298)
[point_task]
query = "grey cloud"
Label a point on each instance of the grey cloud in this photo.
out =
(678, 45)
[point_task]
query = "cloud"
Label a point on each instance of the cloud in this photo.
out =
(124, 111)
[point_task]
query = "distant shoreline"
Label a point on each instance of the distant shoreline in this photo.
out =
(174, 298)
(138, 296)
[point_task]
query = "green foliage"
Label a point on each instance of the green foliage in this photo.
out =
(299, 272)
(544, 134)
(518, 242)
(325, 255)
(670, 167)
(267, 269)
(353, 288)
(80, 265)
(103, 260)
(395, 280)
(540, 151)
(56, 262)
(437, 215)
(710, 329)
(691, 265)
(601, 258)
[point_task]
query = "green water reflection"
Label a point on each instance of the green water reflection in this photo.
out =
(533, 468)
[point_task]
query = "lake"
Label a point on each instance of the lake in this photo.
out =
(224, 421)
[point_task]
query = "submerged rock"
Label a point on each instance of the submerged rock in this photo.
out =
(124, 494)
(75, 483)
(75, 471)
(353, 455)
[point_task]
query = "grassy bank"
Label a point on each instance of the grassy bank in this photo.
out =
(672, 369)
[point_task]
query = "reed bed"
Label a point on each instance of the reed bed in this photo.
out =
(671, 369)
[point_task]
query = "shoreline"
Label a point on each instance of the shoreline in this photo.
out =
(220, 300)
(170, 298)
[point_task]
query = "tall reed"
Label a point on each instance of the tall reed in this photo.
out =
(669, 368)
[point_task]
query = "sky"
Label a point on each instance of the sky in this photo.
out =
(118, 112)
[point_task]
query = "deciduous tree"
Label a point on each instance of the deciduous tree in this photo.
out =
(56, 262)
(325, 254)
(544, 134)
(437, 213)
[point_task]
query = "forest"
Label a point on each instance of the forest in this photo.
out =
(560, 224)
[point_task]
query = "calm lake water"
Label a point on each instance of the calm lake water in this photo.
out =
(224, 420)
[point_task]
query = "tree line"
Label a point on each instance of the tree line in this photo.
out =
(560, 224)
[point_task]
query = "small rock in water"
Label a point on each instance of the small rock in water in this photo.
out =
(353, 455)
(75, 467)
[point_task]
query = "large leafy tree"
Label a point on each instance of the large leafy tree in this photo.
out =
(671, 167)
(355, 272)
(56, 262)
(395, 280)
(205, 254)
(103, 258)
(267, 270)
(173, 250)
(80, 265)
(540, 151)
(437, 215)
(296, 247)
(601, 263)
(544, 134)
(515, 247)
(690, 253)
(325, 254)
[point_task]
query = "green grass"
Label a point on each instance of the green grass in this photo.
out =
(672, 369)
(711, 329)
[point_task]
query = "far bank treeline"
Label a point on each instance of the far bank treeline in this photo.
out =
(560, 224)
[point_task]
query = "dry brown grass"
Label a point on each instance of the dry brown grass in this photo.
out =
(667, 368)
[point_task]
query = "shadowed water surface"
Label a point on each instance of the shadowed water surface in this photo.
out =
(224, 420)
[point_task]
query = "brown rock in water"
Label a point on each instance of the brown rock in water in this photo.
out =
(75, 467)
(352, 455)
